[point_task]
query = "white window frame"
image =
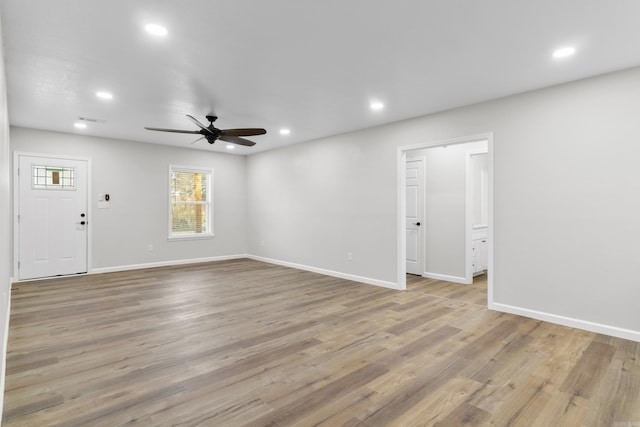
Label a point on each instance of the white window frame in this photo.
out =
(208, 172)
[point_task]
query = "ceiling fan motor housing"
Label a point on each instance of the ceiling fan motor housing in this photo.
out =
(212, 133)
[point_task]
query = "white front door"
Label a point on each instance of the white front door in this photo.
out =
(52, 217)
(415, 202)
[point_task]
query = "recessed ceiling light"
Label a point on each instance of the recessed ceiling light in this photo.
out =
(376, 105)
(230, 146)
(156, 30)
(80, 125)
(564, 52)
(285, 131)
(104, 95)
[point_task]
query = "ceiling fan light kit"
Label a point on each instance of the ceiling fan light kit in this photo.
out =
(212, 133)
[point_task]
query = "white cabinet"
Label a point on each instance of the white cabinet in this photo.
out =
(480, 250)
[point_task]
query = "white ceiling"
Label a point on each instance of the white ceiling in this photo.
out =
(311, 66)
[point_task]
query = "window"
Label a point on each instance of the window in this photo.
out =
(53, 178)
(190, 202)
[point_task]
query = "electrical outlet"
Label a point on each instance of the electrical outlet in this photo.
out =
(349, 256)
(150, 248)
(261, 242)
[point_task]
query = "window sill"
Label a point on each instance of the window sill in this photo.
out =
(190, 237)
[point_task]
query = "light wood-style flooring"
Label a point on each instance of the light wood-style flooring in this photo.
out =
(244, 343)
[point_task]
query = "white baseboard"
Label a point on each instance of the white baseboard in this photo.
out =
(568, 321)
(165, 263)
(454, 279)
(331, 273)
(366, 280)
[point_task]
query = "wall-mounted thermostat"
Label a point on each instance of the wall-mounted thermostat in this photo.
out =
(103, 201)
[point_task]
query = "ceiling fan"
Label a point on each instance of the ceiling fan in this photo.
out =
(211, 133)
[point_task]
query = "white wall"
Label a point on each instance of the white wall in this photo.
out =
(136, 177)
(444, 215)
(5, 222)
(566, 203)
(313, 203)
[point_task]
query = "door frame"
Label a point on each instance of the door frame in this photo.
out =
(15, 203)
(401, 158)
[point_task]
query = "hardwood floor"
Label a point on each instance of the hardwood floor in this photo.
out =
(244, 343)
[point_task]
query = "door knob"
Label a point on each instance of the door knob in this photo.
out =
(82, 215)
(417, 223)
(82, 223)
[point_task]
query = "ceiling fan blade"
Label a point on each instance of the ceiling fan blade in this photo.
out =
(200, 125)
(197, 140)
(239, 141)
(174, 130)
(243, 132)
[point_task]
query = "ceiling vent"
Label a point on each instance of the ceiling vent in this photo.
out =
(90, 120)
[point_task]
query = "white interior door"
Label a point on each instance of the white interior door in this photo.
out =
(414, 214)
(52, 217)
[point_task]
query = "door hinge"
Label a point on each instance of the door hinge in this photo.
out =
(18, 217)
(18, 265)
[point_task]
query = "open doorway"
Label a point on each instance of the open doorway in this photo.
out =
(450, 261)
(477, 212)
